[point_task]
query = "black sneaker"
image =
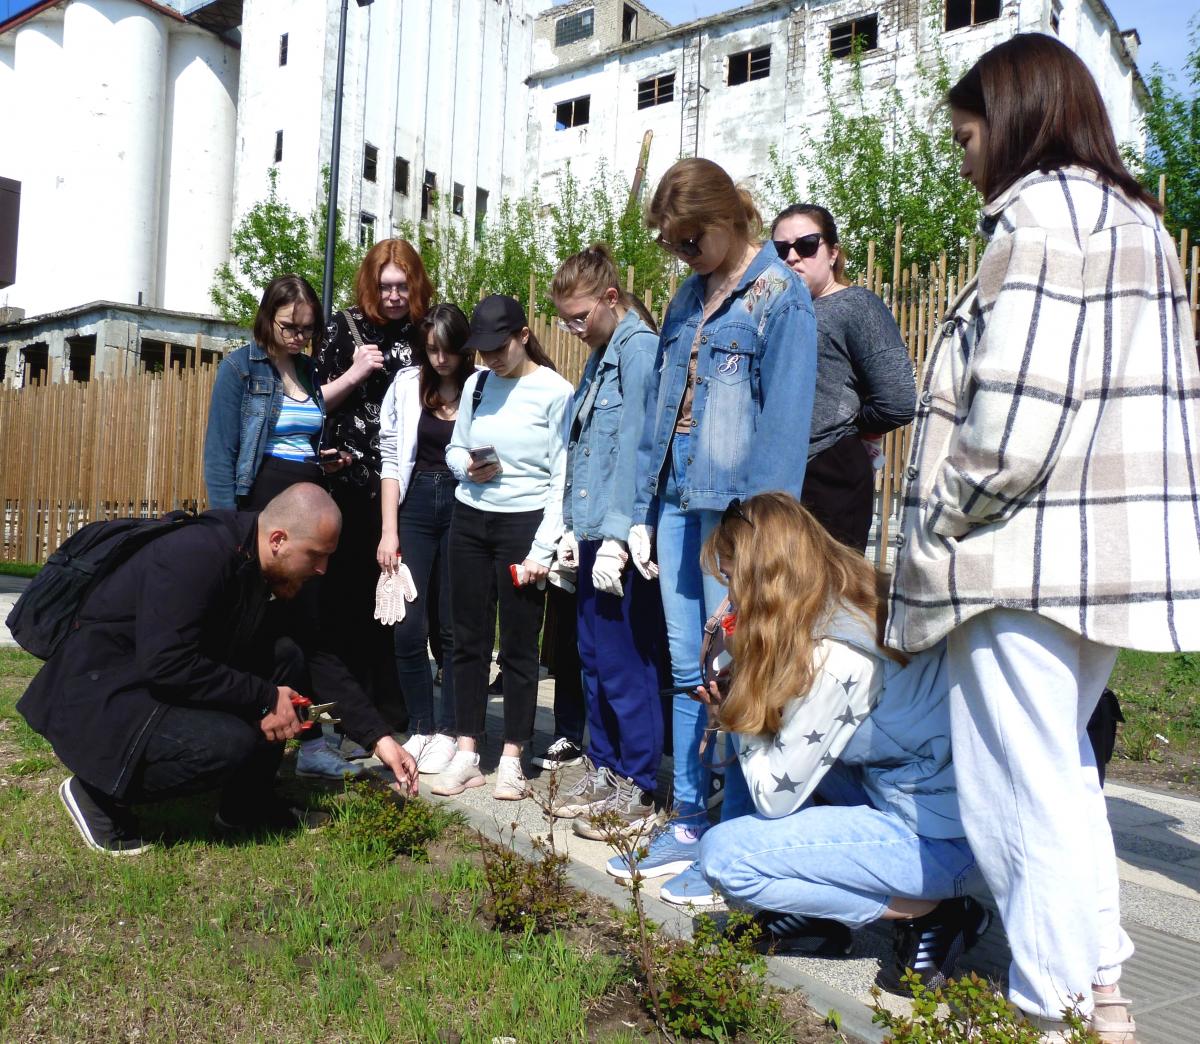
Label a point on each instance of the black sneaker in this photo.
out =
(275, 817)
(562, 753)
(496, 688)
(794, 935)
(104, 831)
(931, 945)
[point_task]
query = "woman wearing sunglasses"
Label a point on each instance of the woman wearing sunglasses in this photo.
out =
(728, 414)
(865, 384)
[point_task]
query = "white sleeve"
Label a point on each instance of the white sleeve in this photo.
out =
(457, 457)
(551, 527)
(782, 771)
(389, 435)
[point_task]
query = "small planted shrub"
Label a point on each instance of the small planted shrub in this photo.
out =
(383, 824)
(527, 895)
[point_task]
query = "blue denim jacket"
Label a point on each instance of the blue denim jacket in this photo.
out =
(752, 407)
(605, 426)
(246, 400)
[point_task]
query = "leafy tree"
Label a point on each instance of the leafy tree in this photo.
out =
(1172, 125)
(273, 239)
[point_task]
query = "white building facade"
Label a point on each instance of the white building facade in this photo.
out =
(730, 86)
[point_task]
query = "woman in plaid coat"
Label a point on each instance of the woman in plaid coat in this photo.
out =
(1050, 515)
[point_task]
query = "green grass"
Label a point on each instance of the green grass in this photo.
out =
(1160, 698)
(20, 568)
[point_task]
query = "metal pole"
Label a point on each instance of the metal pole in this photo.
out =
(331, 219)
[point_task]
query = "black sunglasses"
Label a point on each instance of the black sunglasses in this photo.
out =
(734, 510)
(687, 248)
(805, 246)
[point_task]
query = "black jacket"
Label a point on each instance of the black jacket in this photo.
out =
(183, 622)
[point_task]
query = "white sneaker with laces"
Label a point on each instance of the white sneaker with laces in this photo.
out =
(461, 774)
(432, 754)
(511, 784)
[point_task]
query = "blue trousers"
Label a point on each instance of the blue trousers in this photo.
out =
(622, 649)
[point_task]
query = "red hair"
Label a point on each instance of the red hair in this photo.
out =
(366, 281)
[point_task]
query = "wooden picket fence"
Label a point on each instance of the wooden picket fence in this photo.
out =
(112, 447)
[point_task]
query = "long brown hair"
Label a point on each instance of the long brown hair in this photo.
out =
(593, 271)
(366, 280)
(1043, 112)
(696, 194)
(786, 576)
(447, 326)
(281, 291)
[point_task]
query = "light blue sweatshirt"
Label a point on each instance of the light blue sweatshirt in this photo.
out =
(524, 418)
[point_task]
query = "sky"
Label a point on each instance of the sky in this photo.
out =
(1160, 23)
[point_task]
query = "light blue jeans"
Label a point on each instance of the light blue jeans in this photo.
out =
(840, 861)
(689, 597)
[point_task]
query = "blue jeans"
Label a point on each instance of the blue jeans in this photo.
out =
(424, 531)
(689, 597)
(843, 862)
(622, 651)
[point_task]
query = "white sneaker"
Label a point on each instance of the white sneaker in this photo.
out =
(461, 773)
(511, 784)
(432, 754)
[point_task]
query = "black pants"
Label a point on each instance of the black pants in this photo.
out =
(839, 490)
(560, 653)
(192, 750)
(483, 544)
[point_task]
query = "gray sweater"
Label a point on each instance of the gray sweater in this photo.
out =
(864, 376)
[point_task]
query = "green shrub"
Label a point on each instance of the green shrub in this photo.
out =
(527, 895)
(382, 824)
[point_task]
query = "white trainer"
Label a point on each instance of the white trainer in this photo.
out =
(432, 754)
(511, 784)
(462, 773)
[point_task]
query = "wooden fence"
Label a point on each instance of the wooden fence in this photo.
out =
(82, 451)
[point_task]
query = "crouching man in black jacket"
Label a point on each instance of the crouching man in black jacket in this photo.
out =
(180, 674)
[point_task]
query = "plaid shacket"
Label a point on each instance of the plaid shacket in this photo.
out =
(1057, 445)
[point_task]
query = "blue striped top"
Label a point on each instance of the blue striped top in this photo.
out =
(297, 430)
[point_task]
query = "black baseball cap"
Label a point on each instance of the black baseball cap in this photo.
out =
(494, 321)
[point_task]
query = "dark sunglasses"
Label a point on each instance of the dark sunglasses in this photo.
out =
(734, 510)
(689, 249)
(805, 246)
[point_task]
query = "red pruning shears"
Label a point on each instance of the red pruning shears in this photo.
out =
(313, 713)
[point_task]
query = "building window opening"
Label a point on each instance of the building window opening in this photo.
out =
(658, 90)
(456, 200)
(428, 194)
(1055, 15)
(574, 28)
(279, 146)
(628, 24)
(573, 113)
(961, 13)
(400, 176)
(370, 162)
(749, 65)
(858, 35)
(366, 229)
(481, 206)
(283, 49)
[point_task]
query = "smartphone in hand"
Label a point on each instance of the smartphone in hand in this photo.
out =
(482, 455)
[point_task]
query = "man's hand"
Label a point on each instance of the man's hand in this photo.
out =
(401, 763)
(281, 723)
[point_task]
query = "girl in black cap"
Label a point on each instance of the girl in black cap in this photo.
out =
(508, 452)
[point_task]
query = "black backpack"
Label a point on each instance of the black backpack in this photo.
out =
(48, 608)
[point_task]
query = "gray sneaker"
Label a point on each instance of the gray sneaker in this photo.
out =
(629, 811)
(594, 787)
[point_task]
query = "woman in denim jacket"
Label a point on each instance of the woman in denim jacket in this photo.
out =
(817, 705)
(728, 415)
(621, 638)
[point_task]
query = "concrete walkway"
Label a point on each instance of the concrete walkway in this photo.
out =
(10, 589)
(1158, 844)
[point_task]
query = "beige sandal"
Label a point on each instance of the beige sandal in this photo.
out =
(1111, 1021)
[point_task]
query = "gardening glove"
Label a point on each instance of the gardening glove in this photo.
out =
(561, 577)
(641, 544)
(567, 553)
(391, 592)
(606, 573)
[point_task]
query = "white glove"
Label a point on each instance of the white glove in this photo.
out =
(562, 577)
(606, 573)
(641, 542)
(391, 592)
(567, 553)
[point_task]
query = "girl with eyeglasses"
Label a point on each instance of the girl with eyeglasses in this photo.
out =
(621, 636)
(1050, 517)
(366, 345)
(865, 384)
(728, 414)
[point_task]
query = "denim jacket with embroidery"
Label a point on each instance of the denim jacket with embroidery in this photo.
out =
(752, 406)
(246, 399)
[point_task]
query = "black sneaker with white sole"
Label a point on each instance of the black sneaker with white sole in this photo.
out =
(792, 934)
(932, 945)
(562, 753)
(111, 831)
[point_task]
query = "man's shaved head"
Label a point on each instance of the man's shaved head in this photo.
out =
(302, 509)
